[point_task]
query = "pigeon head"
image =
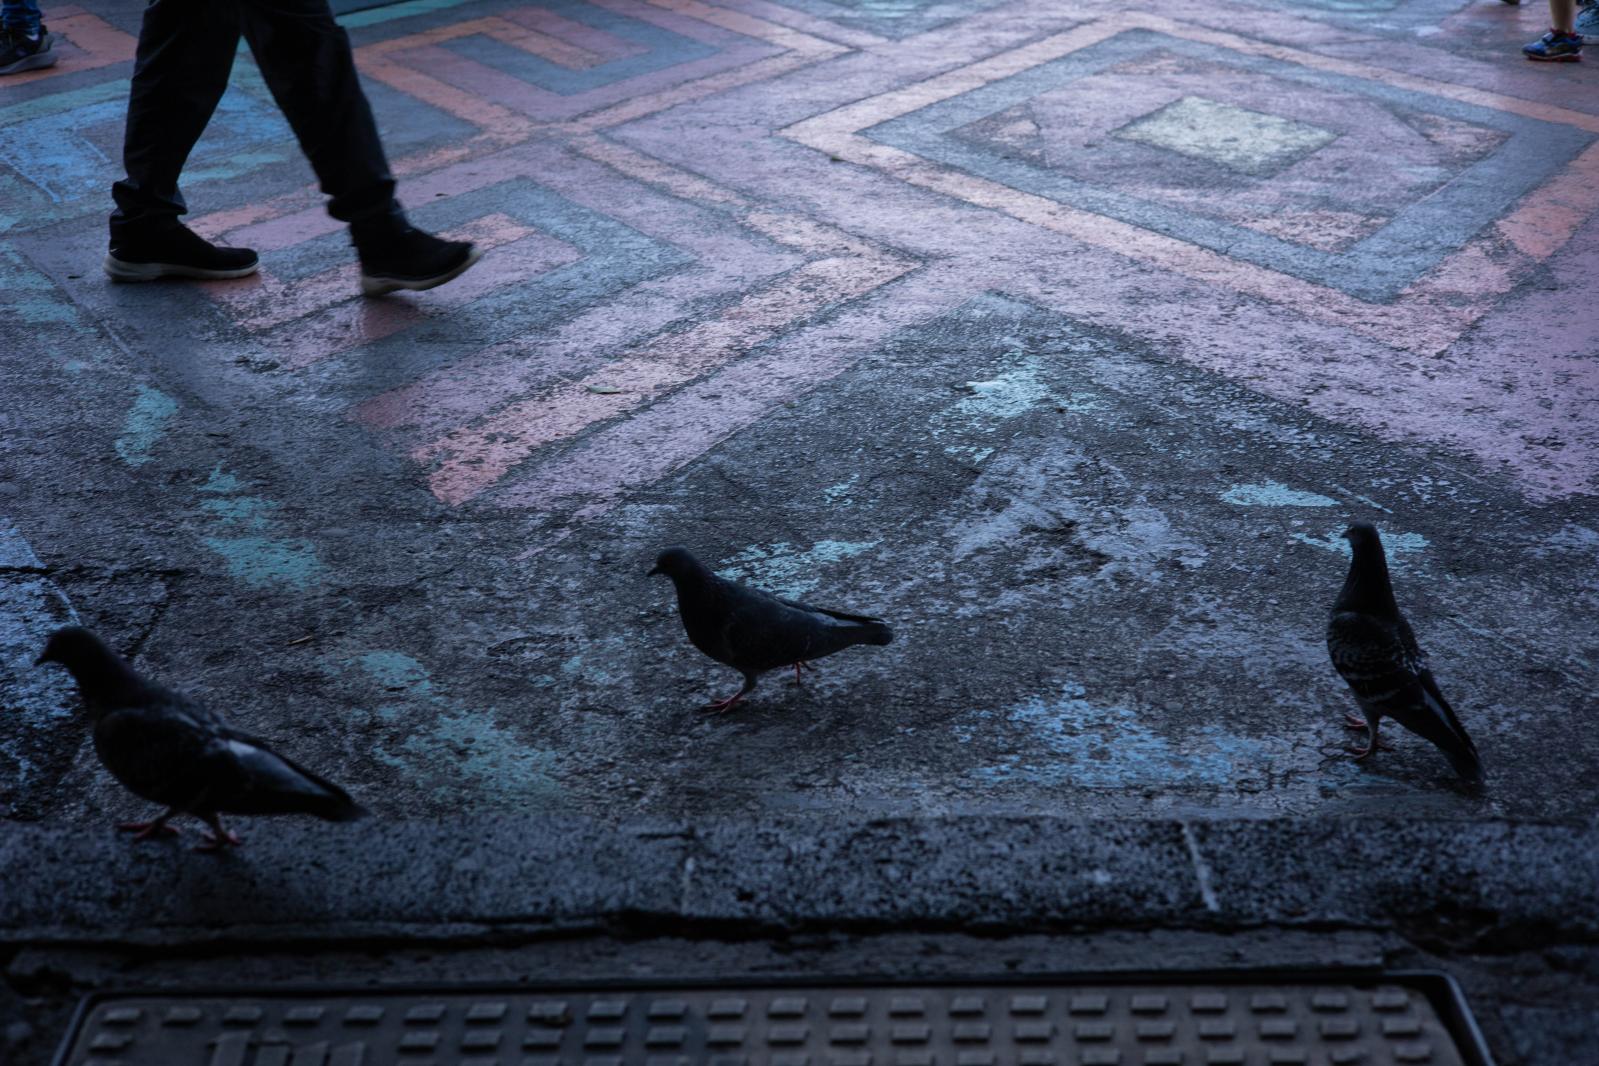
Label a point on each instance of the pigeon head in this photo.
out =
(95, 667)
(1367, 588)
(75, 648)
(675, 563)
(1362, 535)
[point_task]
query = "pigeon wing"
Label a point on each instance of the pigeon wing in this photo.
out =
(837, 616)
(762, 632)
(157, 750)
(250, 778)
(1386, 669)
(1370, 655)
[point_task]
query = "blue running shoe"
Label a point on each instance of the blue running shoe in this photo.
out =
(1588, 21)
(19, 52)
(1555, 47)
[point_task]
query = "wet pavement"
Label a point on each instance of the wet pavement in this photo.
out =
(1067, 337)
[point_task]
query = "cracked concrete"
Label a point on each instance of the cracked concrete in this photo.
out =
(872, 303)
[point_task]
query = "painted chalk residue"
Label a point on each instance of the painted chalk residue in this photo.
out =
(1069, 740)
(783, 569)
(1273, 494)
(246, 539)
(30, 297)
(1016, 389)
(1008, 395)
(838, 495)
(262, 561)
(34, 703)
(483, 757)
(145, 424)
(1396, 545)
(1044, 507)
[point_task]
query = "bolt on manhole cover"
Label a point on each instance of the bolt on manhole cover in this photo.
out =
(1397, 1019)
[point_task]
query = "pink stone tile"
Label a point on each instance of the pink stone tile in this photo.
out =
(678, 429)
(472, 459)
(606, 47)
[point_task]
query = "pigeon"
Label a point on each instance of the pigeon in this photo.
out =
(1374, 650)
(753, 631)
(167, 748)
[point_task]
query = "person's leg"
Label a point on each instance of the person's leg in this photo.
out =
(306, 61)
(20, 16)
(180, 72)
(1562, 44)
(24, 43)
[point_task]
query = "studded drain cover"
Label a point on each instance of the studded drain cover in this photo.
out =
(1397, 1019)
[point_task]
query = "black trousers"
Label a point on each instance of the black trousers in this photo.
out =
(180, 72)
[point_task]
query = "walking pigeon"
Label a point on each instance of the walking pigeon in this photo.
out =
(1374, 650)
(167, 748)
(753, 631)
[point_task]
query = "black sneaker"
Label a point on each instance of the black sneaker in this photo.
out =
(177, 252)
(19, 52)
(408, 258)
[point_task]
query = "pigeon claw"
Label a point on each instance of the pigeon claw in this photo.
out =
(1354, 722)
(149, 830)
(213, 842)
(218, 838)
(721, 706)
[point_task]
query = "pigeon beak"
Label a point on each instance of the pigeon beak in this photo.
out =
(653, 571)
(43, 658)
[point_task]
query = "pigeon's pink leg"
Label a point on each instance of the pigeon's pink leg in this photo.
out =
(1372, 746)
(219, 837)
(1360, 723)
(723, 705)
(156, 828)
(801, 665)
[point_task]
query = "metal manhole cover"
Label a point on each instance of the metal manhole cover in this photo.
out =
(1396, 1020)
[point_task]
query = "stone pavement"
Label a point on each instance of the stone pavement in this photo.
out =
(1067, 336)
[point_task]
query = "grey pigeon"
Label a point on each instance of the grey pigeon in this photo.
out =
(167, 748)
(1376, 653)
(753, 631)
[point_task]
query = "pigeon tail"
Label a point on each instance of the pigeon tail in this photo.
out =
(341, 808)
(1447, 734)
(876, 633)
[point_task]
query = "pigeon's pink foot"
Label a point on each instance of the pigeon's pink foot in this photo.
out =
(148, 830)
(212, 842)
(723, 705)
(218, 838)
(1355, 723)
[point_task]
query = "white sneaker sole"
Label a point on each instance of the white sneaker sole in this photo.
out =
(37, 61)
(377, 285)
(121, 270)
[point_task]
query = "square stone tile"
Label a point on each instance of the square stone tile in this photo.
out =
(1235, 137)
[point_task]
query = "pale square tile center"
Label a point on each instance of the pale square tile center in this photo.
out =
(1235, 137)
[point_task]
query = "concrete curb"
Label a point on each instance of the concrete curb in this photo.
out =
(532, 876)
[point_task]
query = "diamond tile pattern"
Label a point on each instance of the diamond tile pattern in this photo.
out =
(1232, 136)
(1112, 1025)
